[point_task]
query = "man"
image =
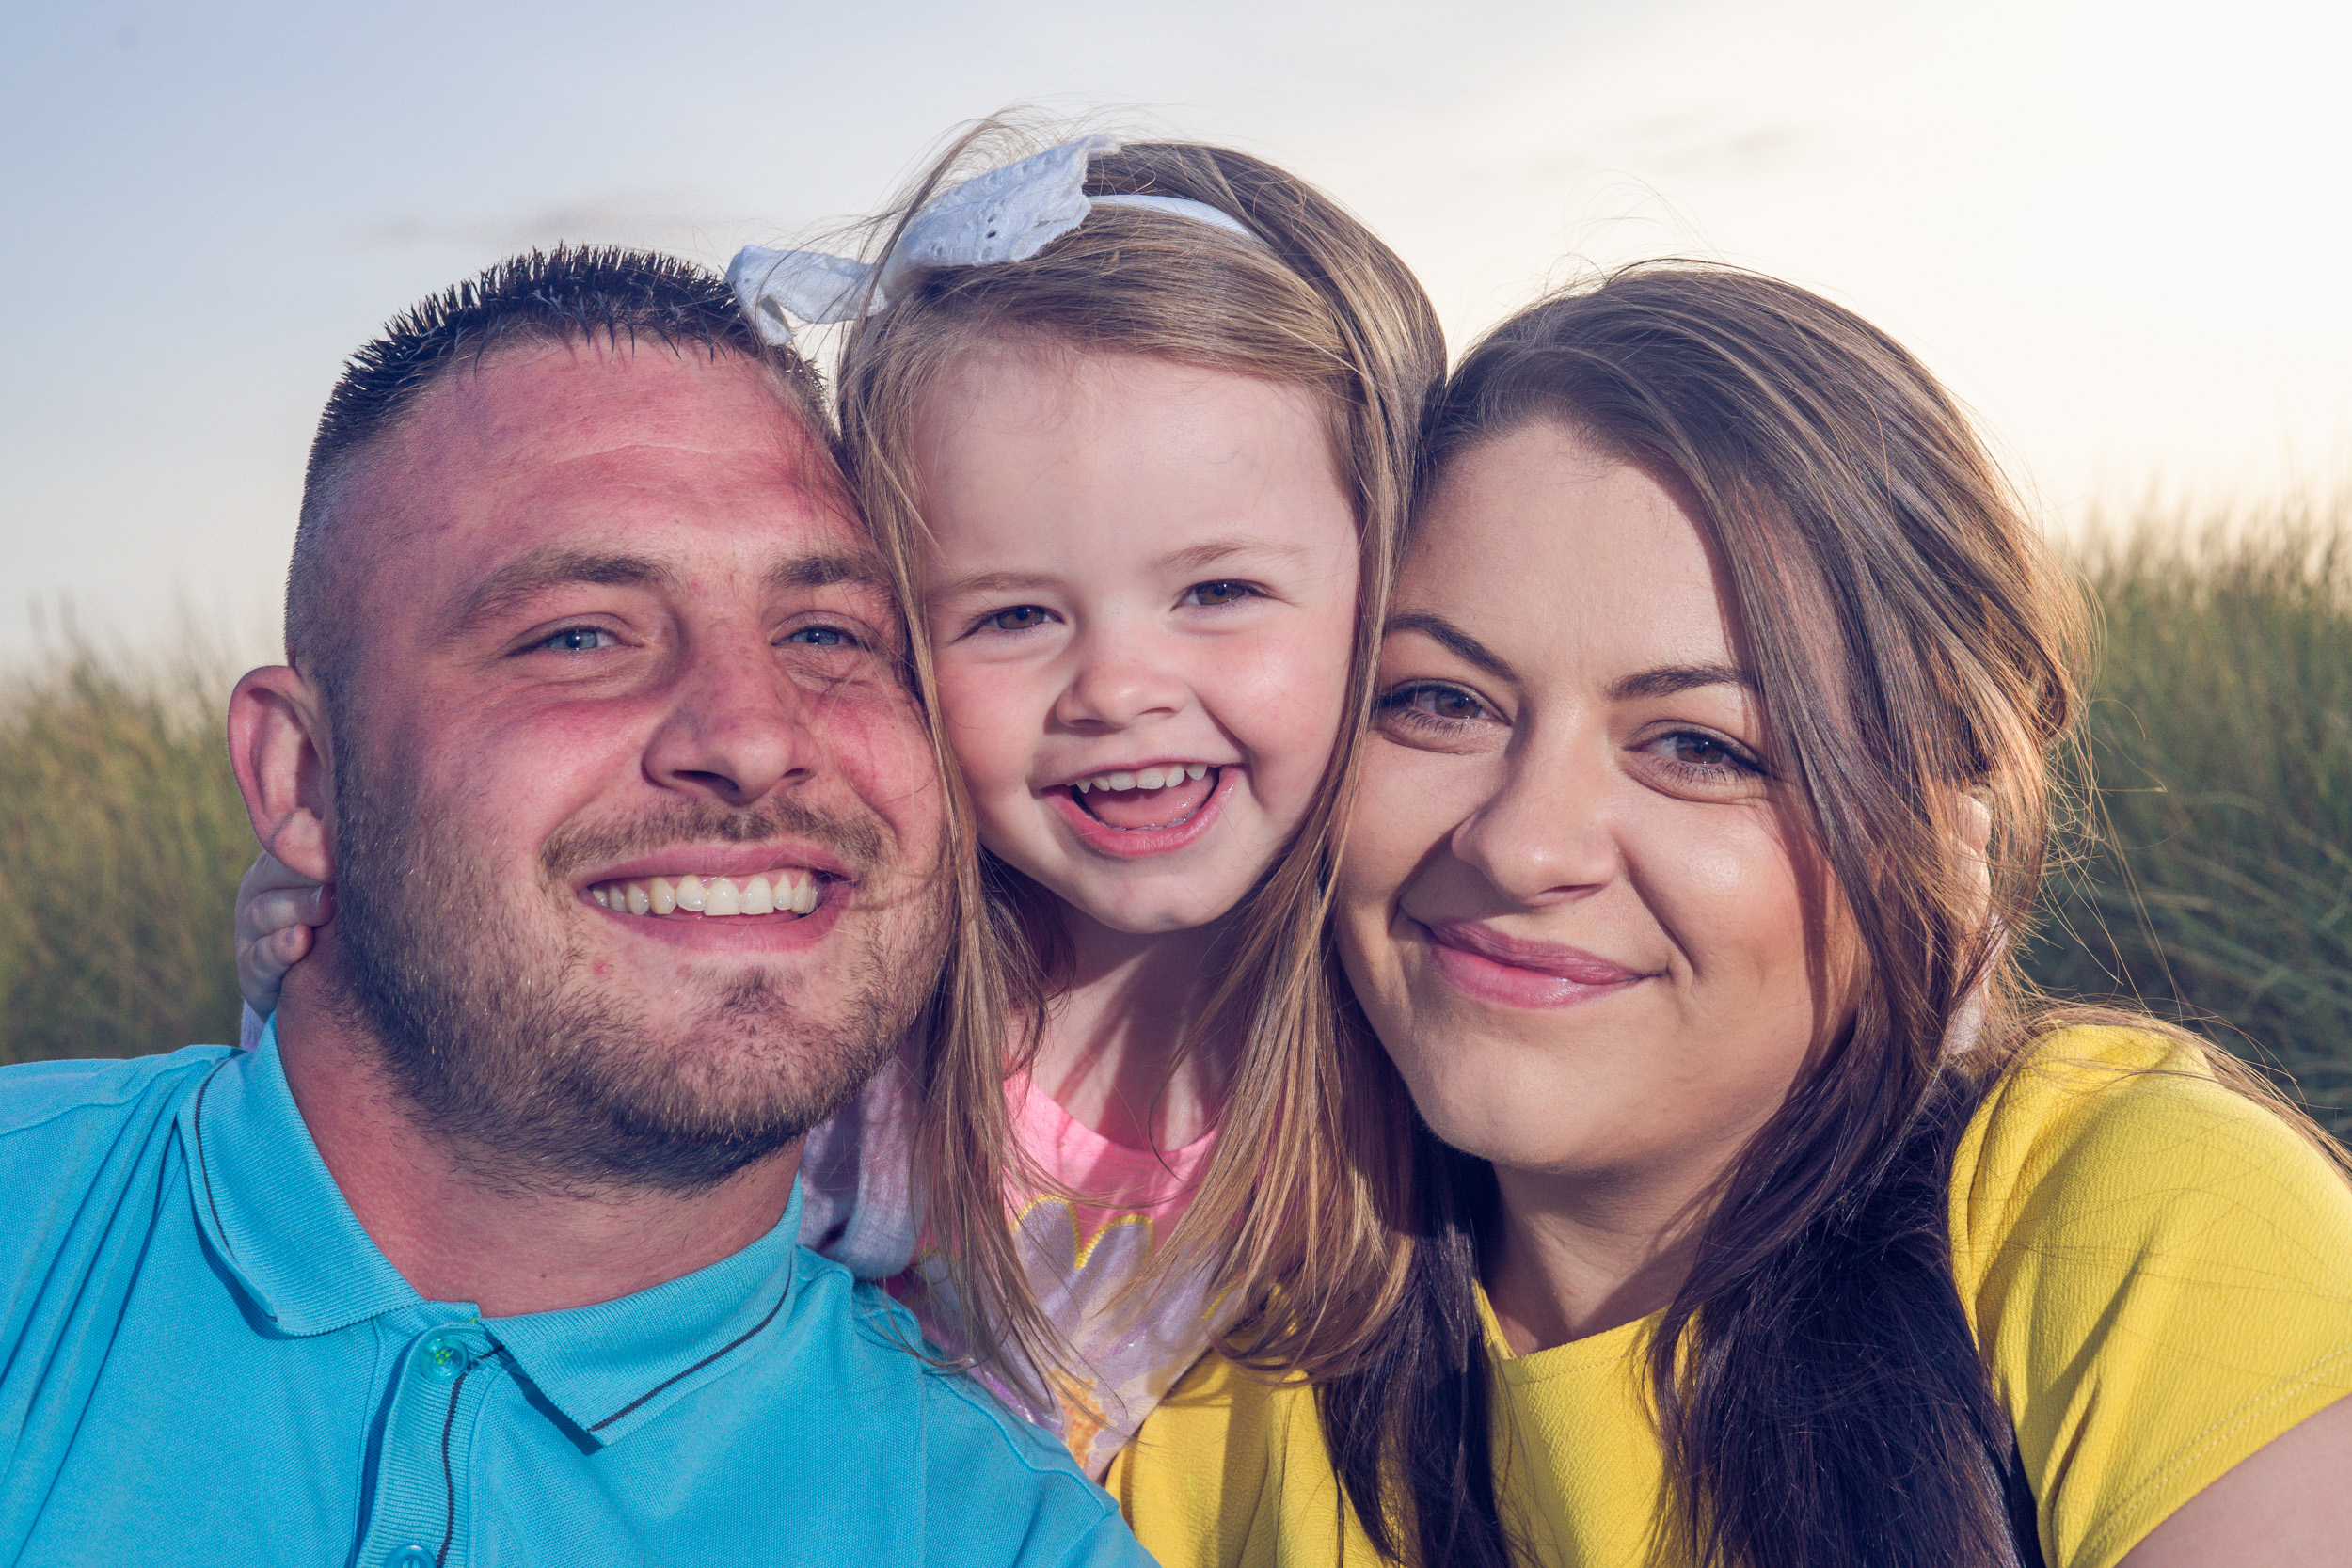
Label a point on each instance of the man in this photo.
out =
(486, 1253)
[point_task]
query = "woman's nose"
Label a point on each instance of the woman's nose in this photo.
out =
(1544, 835)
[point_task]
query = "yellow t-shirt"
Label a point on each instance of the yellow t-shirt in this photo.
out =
(2158, 1271)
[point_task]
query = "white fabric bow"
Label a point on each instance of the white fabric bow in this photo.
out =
(1007, 214)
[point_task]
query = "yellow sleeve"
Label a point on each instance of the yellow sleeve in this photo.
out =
(2159, 1271)
(1205, 1483)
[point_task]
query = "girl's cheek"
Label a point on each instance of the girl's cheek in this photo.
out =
(982, 712)
(1298, 681)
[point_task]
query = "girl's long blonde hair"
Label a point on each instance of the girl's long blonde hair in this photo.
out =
(1320, 304)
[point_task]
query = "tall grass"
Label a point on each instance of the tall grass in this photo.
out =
(121, 840)
(2218, 884)
(2219, 889)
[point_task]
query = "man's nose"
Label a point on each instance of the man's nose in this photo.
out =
(1119, 681)
(737, 729)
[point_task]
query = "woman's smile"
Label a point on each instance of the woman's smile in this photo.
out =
(1488, 965)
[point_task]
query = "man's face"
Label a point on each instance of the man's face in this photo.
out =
(623, 630)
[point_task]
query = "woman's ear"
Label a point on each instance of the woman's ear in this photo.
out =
(278, 743)
(1974, 818)
(1975, 823)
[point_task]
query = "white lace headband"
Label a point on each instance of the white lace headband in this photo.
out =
(1007, 214)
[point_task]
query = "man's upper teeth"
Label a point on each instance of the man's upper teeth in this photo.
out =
(1150, 778)
(769, 893)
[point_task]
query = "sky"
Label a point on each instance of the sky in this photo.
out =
(2118, 231)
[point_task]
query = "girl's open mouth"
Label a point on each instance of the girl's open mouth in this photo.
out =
(1129, 816)
(1141, 802)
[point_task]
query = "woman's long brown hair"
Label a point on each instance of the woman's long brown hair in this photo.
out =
(1818, 1393)
(1318, 302)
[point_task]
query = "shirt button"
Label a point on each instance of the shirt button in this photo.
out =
(440, 1357)
(410, 1557)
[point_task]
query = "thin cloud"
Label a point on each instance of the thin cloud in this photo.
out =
(639, 217)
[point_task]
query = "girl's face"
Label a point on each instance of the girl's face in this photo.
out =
(1141, 595)
(1569, 903)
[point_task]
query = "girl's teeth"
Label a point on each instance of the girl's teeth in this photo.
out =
(769, 893)
(1150, 777)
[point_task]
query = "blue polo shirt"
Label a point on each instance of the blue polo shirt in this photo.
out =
(205, 1360)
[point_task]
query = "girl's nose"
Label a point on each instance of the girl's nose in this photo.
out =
(1115, 688)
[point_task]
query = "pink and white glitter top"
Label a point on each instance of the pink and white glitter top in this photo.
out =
(858, 1209)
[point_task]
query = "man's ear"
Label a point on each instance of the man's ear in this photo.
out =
(278, 743)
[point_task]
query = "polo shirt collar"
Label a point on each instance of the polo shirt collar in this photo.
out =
(613, 1367)
(271, 1208)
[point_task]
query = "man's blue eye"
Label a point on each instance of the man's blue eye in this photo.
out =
(578, 640)
(823, 637)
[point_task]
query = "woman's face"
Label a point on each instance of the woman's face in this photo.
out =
(1569, 903)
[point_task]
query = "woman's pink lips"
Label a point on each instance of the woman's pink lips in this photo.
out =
(1484, 963)
(1135, 843)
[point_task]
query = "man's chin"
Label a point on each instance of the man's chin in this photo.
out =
(673, 1104)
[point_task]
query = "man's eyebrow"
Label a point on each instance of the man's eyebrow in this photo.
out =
(1669, 679)
(1454, 639)
(1211, 551)
(523, 579)
(822, 571)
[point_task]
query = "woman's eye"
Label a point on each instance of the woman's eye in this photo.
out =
(580, 639)
(1214, 594)
(823, 637)
(1019, 618)
(1434, 704)
(1695, 752)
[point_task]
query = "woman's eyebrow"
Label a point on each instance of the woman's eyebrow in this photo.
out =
(1669, 679)
(1454, 639)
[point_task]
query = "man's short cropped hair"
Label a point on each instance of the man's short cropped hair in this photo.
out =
(569, 294)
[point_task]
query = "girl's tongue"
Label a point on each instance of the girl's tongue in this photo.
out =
(1148, 808)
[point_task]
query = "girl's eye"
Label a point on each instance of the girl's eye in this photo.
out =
(580, 639)
(823, 637)
(1214, 593)
(1019, 618)
(1433, 705)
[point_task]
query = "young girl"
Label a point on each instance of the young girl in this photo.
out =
(1711, 764)
(1132, 425)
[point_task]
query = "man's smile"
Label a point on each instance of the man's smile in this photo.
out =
(790, 891)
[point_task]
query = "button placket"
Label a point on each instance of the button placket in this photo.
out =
(421, 1475)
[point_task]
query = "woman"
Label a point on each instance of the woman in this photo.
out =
(1765, 1220)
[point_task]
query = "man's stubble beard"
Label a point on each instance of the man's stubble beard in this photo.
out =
(536, 1076)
